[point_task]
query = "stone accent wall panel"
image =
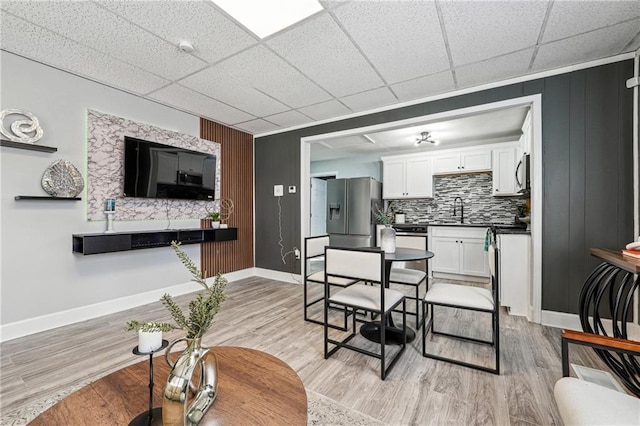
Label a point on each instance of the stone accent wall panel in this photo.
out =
(105, 170)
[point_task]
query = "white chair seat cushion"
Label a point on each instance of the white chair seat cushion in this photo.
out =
(367, 297)
(460, 295)
(406, 276)
(584, 403)
(319, 277)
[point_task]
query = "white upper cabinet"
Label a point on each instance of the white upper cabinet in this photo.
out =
(393, 177)
(504, 171)
(462, 162)
(407, 177)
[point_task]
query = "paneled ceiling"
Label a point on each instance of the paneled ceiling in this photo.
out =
(352, 56)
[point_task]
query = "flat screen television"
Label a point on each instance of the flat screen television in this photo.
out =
(154, 170)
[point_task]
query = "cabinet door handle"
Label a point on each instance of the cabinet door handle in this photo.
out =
(497, 190)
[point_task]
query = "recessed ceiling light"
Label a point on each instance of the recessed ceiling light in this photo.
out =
(265, 17)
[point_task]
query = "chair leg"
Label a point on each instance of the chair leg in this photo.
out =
(326, 328)
(418, 307)
(383, 370)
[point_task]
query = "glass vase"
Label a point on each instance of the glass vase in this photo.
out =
(388, 239)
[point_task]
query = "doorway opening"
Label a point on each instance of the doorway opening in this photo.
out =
(534, 102)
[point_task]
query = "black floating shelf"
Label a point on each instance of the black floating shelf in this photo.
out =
(46, 198)
(28, 146)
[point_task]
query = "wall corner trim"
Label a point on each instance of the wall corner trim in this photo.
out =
(58, 319)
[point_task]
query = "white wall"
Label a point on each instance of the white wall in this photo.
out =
(40, 275)
(363, 165)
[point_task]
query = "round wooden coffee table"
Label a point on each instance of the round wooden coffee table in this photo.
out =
(253, 388)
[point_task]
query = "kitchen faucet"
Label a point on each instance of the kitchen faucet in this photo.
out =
(461, 209)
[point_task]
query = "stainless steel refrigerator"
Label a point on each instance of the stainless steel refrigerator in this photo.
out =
(351, 204)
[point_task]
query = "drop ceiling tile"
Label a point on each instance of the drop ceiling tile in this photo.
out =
(25, 39)
(325, 110)
(288, 118)
(374, 26)
(225, 88)
(424, 86)
(370, 99)
(483, 29)
(213, 35)
(257, 126)
(323, 52)
(276, 77)
(198, 104)
(568, 18)
(593, 45)
(496, 69)
(97, 28)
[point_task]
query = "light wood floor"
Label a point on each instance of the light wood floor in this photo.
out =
(267, 315)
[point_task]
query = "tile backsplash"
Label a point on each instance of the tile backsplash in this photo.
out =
(480, 206)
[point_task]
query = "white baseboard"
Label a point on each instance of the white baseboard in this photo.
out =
(58, 319)
(278, 275)
(572, 322)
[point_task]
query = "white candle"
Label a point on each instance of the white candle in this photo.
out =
(149, 341)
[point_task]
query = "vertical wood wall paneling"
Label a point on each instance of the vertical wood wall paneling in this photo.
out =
(237, 184)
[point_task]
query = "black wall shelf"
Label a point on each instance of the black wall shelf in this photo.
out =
(45, 198)
(125, 241)
(27, 146)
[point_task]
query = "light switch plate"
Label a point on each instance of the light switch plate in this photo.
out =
(278, 190)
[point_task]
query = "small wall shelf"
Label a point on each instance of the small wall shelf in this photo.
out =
(45, 198)
(125, 241)
(27, 146)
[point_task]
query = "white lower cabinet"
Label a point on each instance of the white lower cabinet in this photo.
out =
(458, 251)
(515, 272)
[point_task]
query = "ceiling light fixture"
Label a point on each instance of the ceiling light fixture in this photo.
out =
(266, 17)
(426, 137)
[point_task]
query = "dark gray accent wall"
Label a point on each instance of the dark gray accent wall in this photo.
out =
(587, 172)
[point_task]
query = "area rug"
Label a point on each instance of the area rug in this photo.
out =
(321, 411)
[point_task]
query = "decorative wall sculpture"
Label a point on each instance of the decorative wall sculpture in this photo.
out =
(19, 129)
(105, 159)
(62, 179)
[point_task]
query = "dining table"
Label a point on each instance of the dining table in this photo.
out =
(393, 334)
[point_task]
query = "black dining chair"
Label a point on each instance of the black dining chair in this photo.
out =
(469, 298)
(412, 277)
(313, 272)
(362, 265)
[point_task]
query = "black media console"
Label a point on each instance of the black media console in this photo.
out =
(124, 241)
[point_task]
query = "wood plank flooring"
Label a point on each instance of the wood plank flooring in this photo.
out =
(267, 315)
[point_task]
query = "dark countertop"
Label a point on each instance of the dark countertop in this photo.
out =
(499, 228)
